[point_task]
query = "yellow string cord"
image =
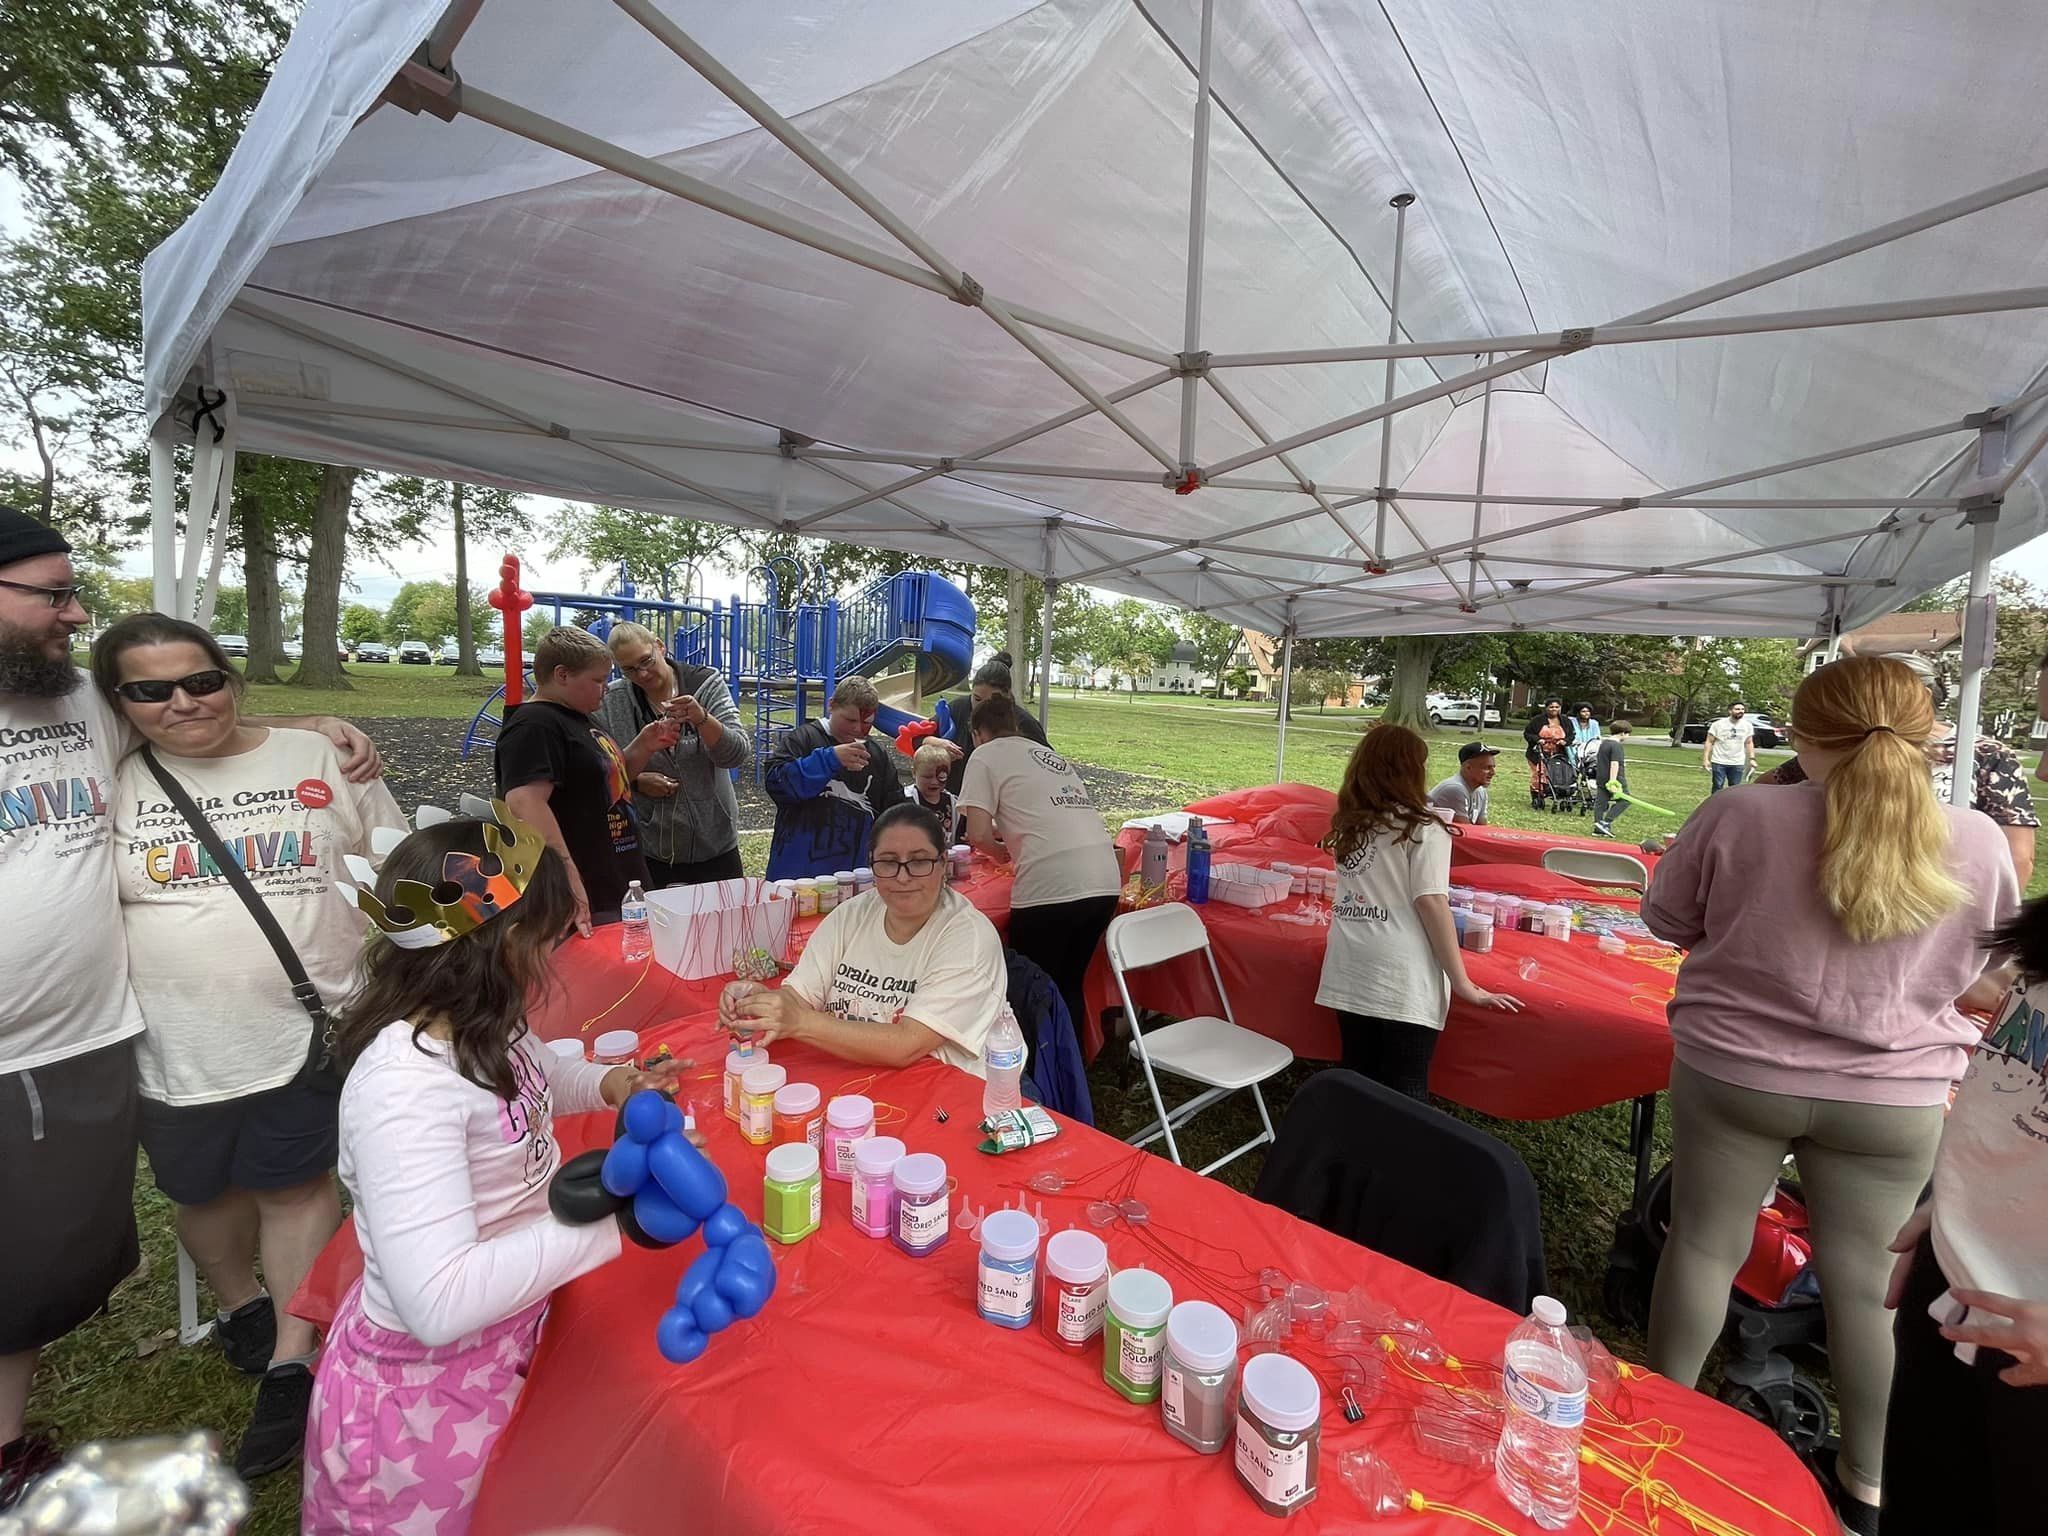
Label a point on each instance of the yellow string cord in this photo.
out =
(1658, 1494)
(890, 1114)
(594, 1018)
(1427, 1506)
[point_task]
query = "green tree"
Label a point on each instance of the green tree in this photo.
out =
(320, 631)
(1214, 640)
(472, 511)
(359, 623)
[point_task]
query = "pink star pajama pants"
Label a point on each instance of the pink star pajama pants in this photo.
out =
(399, 1432)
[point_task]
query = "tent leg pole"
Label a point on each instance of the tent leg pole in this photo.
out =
(163, 522)
(1051, 592)
(1198, 209)
(1286, 694)
(1400, 205)
(222, 512)
(1979, 638)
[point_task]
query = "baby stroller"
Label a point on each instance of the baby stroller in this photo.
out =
(1564, 787)
(1774, 1310)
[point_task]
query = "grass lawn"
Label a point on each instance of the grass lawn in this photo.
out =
(125, 1374)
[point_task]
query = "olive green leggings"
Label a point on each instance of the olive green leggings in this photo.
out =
(1862, 1168)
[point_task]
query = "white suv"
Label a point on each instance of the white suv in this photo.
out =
(1444, 710)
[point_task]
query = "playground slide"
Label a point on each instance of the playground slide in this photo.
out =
(944, 650)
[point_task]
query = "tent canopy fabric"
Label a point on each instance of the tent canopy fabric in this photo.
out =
(597, 251)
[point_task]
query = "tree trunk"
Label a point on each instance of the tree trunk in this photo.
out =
(465, 645)
(259, 580)
(1414, 656)
(1015, 640)
(320, 628)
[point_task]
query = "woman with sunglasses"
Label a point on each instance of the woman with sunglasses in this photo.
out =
(909, 969)
(237, 1138)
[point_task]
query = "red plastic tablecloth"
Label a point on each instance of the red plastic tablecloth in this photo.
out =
(1514, 845)
(1592, 1030)
(870, 1397)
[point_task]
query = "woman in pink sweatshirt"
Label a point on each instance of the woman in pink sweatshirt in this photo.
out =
(1831, 927)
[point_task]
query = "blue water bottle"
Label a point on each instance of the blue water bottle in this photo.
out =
(1198, 866)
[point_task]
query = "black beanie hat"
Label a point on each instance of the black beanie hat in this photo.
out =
(23, 538)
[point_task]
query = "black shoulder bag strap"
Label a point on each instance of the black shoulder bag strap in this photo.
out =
(319, 1069)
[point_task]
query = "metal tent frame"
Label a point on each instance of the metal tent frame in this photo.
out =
(1233, 574)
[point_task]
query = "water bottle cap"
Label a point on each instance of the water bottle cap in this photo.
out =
(1548, 1311)
(633, 888)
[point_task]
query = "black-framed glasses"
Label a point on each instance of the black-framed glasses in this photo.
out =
(157, 690)
(56, 597)
(916, 867)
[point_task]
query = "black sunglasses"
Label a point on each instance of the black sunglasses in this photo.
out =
(157, 690)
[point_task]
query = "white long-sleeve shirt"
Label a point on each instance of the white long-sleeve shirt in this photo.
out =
(450, 1184)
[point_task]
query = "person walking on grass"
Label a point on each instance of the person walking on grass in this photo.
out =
(1392, 964)
(1730, 750)
(68, 1017)
(1610, 773)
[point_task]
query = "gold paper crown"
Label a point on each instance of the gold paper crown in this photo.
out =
(474, 888)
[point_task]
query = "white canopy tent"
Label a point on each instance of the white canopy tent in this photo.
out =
(1326, 316)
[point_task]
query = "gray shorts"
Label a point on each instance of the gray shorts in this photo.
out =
(67, 1192)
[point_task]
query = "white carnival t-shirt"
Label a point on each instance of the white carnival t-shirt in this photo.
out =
(951, 977)
(64, 980)
(1056, 838)
(1991, 1175)
(221, 1015)
(1378, 961)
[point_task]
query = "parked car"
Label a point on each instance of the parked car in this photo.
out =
(415, 653)
(449, 654)
(1444, 710)
(1767, 732)
(373, 650)
(293, 650)
(233, 645)
(491, 656)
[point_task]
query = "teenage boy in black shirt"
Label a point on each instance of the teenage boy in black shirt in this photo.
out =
(564, 775)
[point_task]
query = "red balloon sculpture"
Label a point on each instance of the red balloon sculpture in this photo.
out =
(510, 599)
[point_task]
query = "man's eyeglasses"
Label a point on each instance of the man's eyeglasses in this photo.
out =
(56, 597)
(157, 690)
(916, 867)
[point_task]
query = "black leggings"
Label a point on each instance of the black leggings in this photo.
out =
(1959, 1444)
(1389, 1051)
(1060, 938)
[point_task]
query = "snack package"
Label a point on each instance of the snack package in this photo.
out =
(1017, 1128)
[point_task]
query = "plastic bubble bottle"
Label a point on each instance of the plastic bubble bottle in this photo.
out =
(1537, 1462)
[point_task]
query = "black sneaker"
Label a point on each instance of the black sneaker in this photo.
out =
(24, 1460)
(1600, 831)
(248, 1335)
(277, 1429)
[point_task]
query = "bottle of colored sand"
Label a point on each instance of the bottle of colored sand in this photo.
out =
(874, 1184)
(1008, 1283)
(1076, 1289)
(799, 1115)
(793, 1196)
(1279, 1433)
(1200, 1369)
(921, 1215)
(758, 1087)
(1134, 1333)
(737, 1060)
(849, 1118)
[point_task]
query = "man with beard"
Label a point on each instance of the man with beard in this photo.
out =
(67, 1017)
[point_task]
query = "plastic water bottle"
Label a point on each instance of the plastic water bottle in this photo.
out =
(1537, 1461)
(1002, 1063)
(1198, 866)
(635, 942)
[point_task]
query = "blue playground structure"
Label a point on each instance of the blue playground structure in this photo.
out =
(789, 645)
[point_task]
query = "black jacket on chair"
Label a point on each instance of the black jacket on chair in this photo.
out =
(1406, 1180)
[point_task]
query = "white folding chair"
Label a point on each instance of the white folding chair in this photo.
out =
(1598, 866)
(1220, 1054)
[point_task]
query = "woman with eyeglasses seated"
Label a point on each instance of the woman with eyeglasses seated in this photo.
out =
(689, 816)
(909, 969)
(237, 1138)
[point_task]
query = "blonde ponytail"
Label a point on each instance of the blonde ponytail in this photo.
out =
(1884, 865)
